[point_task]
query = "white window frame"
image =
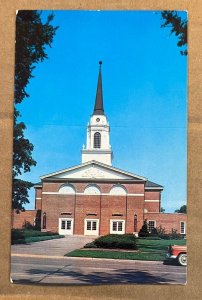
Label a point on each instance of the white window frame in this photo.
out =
(91, 232)
(117, 231)
(66, 231)
(184, 232)
(151, 221)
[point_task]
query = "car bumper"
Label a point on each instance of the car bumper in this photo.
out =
(169, 256)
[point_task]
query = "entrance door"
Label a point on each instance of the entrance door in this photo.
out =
(66, 226)
(91, 227)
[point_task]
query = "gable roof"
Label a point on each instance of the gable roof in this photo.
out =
(93, 170)
(152, 185)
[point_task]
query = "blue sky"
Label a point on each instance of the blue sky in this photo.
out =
(145, 97)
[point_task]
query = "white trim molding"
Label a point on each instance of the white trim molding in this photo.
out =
(38, 198)
(151, 200)
(104, 194)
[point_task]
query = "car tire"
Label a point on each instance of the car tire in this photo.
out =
(182, 259)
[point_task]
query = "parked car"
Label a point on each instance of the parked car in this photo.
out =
(178, 253)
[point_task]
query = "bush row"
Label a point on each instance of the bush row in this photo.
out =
(36, 239)
(17, 234)
(114, 241)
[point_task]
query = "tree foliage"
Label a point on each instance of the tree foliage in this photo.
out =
(144, 231)
(178, 27)
(182, 210)
(162, 210)
(32, 37)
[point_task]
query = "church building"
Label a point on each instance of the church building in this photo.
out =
(96, 198)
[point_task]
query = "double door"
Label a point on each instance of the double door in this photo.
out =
(66, 226)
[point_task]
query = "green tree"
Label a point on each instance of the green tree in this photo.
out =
(178, 27)
(32, 37)
(163, 210)
(183, 209)
(144, 231)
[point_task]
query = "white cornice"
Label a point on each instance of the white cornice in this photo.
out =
(103, 194)
(93, 162)
(151, 200)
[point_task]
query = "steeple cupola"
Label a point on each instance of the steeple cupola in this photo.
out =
(97, 142)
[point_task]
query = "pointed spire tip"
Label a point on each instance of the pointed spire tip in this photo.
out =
(98, 108)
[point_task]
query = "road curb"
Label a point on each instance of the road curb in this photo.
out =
(82, 258)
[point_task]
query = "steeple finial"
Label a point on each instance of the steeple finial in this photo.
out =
(98, 108)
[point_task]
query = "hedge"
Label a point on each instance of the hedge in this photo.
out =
(36, 239)
(114, 241)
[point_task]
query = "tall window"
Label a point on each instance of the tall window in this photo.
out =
(44, 221)
(151, 225)
(182, 227)
(97, 140)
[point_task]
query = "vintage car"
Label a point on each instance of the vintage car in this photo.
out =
(178, 253)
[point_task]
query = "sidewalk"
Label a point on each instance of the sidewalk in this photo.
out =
(57, 247)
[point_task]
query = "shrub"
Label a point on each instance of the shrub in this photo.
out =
(161, 230)
(90, 245)
(36, 239)
(114, 241)
(27, 225)
(144, 232)
(22, 234)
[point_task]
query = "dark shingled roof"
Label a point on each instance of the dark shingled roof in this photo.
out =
(152, 184)
(98, 108)
(38, 183)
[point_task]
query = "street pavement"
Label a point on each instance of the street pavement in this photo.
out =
(80, 271)
(44, 263)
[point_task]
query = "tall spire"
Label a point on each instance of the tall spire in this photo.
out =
(98, 108)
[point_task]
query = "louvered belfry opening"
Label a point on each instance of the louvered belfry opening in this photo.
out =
(97, 140)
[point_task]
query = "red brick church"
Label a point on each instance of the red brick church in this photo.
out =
(96, 198)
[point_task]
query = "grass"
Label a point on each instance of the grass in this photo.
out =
(154, 250)
(23, 236)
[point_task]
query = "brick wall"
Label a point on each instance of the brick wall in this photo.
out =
(19, 220)
(38, 197)
(168, 221)
(103, 207)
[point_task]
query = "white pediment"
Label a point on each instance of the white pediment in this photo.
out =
(93, 170)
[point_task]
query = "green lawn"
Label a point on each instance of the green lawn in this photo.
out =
(147, 250)
(23, 236)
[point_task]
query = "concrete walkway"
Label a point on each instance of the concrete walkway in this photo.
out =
(57, 247)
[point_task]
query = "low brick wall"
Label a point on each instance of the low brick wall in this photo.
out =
(168, 221)
(26, 217)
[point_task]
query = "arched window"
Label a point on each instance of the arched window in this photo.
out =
(44, 221)
(118, 190)
(92, 190)
(97, 140)
(67, 189)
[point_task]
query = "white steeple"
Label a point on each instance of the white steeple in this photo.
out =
(97, 142)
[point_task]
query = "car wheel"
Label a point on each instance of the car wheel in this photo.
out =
(182, 259)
